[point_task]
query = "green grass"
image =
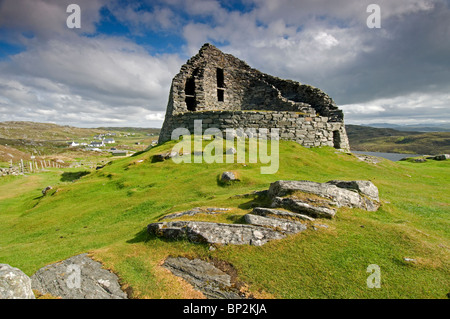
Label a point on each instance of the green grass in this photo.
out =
(106, 213)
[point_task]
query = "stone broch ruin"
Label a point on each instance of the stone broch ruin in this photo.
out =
(224, 92)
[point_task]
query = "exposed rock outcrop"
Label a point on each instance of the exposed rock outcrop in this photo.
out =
(78, 277)
(304, 201)
(331, 195)
(14, 283)
(286, 226)
(197, 210)
(215, 233)
(205, 277)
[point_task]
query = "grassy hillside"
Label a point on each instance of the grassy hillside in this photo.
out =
(43, 131)
(20, 140)
(363, 138)
(106, 212)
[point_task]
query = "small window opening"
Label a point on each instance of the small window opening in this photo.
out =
(189, 91)
(220, 95)
(220, 81)
(191, 104)
(189, 88)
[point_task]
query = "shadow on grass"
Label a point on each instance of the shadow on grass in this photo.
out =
(141, 237)
(72, 176)
(257, 199)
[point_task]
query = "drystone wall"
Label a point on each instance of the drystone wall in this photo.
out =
(308, 131)
(224, 92)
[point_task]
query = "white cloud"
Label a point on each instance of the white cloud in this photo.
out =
(401, 69)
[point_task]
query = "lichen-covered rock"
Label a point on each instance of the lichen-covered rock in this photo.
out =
(205, 277)
(215, 233)
(356, 194)
(78, 277)
(197, 210)
(228, 176)
(299, 206)
(287, 226)
(270, 212)
(14, 283)
(366, 188)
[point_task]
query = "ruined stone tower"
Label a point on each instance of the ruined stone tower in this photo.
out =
(224, 92)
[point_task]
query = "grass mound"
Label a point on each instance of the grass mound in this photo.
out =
(106, 213)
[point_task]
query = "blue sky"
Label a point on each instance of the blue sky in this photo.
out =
(117, 68)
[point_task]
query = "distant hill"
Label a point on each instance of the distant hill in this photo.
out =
(145, 130)
(43, 131)
(365, 138)
(414, 128)
(8, 153)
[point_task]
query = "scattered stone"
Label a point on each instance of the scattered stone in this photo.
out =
(78, 277)
(231, 151)
(14, 283)
(441, 157)
(215, 233)
(197, 210)
(164, 156)
(45, 190)
(320, 225)
(228, 176)
(409, 259)
(205, 277)
(368, 158)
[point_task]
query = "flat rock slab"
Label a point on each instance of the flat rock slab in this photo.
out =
(205, 277)
(286, 226)
(301, 207)
(271, 212)
(215, 233)
(78, 277)
(197, 210)
(14, 283)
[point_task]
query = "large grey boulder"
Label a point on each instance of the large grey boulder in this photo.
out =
(215, 233)
(78, 277)
(205, 277)
(14, 283)
(366, 188)
(355, 194)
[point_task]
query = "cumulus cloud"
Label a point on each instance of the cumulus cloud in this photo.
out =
(68, 78)
(82, 77)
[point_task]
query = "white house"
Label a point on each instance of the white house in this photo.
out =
(109, 141)
(72, 144)
(97, 144)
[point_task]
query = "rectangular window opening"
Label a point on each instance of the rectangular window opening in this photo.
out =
(220, 78)
(220, 95)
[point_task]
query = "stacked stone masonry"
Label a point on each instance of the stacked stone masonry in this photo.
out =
(224, 92)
